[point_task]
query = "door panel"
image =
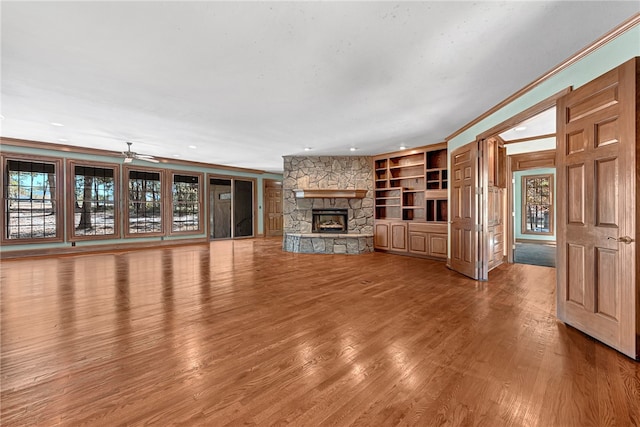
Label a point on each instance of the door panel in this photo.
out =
(606, 171)
(597, 291)
(464, 223)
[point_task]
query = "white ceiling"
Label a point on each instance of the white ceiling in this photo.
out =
(543, 123)
(249, 82)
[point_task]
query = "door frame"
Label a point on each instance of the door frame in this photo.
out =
(254, 208)
(494, 132)
(517, 163)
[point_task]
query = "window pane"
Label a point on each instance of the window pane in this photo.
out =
(145, 213)
(537, 214)
(94, 207)
(30, 200)
(243, 208)
(186, 203)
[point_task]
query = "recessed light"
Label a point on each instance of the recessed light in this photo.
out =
(176, 155)
(520, 128)
(193, 147)
(352, 149)
(307, 148)
(63, 139)
(402, 147)
(56, 124)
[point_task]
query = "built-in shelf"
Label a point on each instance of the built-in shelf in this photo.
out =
(411, 203)
(329, 194)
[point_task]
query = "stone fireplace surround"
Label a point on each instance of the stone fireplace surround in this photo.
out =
(347, 181)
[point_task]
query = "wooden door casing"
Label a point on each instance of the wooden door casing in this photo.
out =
(596, 195)
(464, 205)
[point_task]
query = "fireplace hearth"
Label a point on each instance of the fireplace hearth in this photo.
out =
(329, 220)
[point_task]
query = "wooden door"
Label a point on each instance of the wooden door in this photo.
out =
(596, 161)
(464, 208)
(273, 208)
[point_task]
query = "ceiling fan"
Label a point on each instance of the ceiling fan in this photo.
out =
(129, 155)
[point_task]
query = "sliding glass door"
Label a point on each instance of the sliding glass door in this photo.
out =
(231, 207)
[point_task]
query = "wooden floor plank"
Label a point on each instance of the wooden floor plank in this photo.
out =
(241, 333)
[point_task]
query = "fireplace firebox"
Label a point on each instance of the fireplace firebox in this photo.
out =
(329, 220)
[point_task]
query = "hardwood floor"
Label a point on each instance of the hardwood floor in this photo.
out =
(241, 333)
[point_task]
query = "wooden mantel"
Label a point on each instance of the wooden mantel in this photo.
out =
(329, 194)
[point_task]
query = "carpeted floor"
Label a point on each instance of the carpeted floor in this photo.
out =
(535, 254)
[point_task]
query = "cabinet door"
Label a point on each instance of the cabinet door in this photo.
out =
(399, 237)
(381, 235)
(418, 243)
(438, 245)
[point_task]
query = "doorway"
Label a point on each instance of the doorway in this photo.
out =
(534, 217)
(231, 208)
(530, 144)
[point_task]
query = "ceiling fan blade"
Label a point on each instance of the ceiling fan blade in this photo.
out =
(148, 159)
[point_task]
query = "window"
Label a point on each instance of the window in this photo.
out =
(94, 196)
(186, 196)
(31, 200)
(537, 204)
(144, 215)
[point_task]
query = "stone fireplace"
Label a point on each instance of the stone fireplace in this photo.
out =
(342, 187)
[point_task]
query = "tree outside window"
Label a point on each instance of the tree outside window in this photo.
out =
(145, 202)
(94, 207)
(537, 204)
(186, 203)
(31, 206)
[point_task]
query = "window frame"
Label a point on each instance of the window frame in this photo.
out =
(201, 190)
(59, 198)
(125, 200)
(71, 199)
(523, 205)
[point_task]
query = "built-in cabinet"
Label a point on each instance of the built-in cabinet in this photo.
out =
(411, 204)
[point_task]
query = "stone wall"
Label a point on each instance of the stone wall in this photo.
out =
(324, 172)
